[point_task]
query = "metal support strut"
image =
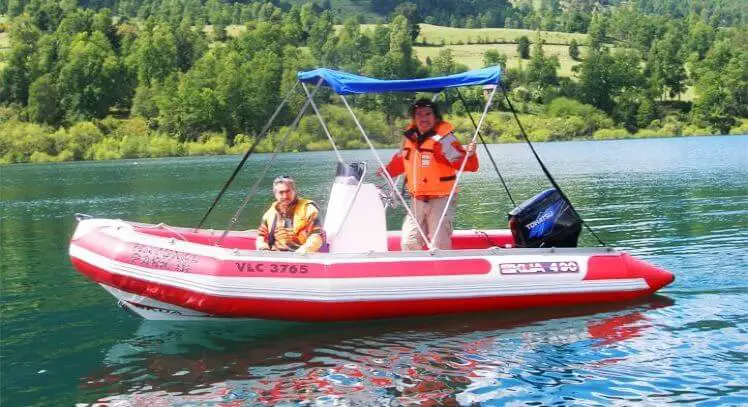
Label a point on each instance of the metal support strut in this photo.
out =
(259, 138)
(253, 191)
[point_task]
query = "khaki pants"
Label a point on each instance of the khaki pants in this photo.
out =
(427, 214)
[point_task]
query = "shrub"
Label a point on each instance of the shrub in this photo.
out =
(610, 134)
(208, 144)
(741, 128)
(82, 138)
(106, 149)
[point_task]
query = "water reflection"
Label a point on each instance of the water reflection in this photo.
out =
(447, 360)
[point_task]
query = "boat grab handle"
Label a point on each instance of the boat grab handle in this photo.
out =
(82, 216)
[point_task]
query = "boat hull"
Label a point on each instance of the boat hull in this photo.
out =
(161, 277)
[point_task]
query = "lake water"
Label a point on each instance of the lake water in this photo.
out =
(681, 203)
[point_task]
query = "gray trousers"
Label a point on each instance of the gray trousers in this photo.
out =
(427, 215)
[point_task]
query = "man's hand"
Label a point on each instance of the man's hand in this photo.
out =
(380, 172)
(471, 148)
(262, 246)
(262, 230)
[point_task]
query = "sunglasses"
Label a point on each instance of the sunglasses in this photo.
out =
(283, 178)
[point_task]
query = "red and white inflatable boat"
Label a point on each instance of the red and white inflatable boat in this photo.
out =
(162, 272)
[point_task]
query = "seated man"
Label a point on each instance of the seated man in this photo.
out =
(291, 223)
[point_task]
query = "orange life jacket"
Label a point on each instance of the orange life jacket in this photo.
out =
(428, 171)
(303, 224)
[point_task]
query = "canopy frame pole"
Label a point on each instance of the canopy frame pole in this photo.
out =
(259, 138)
(384, 169)
(256, 185)
(485, 147)
(322, 122)
(462, 167)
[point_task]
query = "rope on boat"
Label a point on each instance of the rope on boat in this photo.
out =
(485, 146)
(282, 144)
(259, 138)
(543, 167)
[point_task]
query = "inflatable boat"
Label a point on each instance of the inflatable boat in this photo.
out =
(165, 272)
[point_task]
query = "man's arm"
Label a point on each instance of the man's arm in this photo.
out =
(261, 243)
(396, 165)
(316, 238)
(454, 153)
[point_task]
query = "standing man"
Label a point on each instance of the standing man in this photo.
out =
(429, 157)
(291, 223)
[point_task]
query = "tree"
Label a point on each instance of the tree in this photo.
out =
(189, 46)
(665, 65)
(603, 76)
(89, 77)
(44, 101)
(320, 33)
(155, 55)
(410, 12)
(721, 85)
(15, 77)
(542, 71)
(493, 57)
(380, 41)
(597, 31)
(523, 47)
(574, 50)
(445, 64)
(400, 53)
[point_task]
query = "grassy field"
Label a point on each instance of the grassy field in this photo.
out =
(435, 34)
(472, 55)
(4, 48)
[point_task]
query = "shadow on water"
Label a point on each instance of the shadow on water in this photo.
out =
(183, 357)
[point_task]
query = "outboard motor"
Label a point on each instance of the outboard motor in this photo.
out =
(545, 220)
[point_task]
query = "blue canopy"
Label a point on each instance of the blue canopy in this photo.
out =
(348, 84)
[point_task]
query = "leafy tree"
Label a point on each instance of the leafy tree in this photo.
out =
(410, 12)
(574, 50)
(665, 65)
(44, 101)
(189, 46)
(155, 54)
(493, 57)
(700, 38)
(603, 76)
(722, 85)
(320, 33)
(445, 64)
(542, 71)
(597, 32)
(15, 77)
(400, 53)
(380, 41)
(89, 77)
(523, 47)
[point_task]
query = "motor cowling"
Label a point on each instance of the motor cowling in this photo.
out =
(545, 220)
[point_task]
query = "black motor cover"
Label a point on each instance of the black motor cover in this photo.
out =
(545, 220)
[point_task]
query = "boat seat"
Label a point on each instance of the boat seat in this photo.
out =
(355, 220)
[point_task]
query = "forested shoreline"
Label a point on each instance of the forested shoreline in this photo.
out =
(155, 78)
